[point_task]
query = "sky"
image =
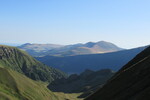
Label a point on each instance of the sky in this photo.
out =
(125, 23)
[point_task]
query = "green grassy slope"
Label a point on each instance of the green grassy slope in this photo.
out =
(15, 86)
(20, 61)
(68, 96)
(15, 65)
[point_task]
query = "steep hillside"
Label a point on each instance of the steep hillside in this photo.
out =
(20, 61)
(130, 83)
(85, 83)
(77, 64)
(15, 86)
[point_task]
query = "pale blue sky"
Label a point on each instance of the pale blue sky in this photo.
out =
(123, 22)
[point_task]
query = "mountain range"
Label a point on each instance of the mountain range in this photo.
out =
(38, 49)
(79, 63)
(24, 78)
(130, 83)
(69, 50)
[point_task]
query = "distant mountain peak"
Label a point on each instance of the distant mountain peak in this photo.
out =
(90, 44)
(27, 44)
(69, 50)
(103, 42)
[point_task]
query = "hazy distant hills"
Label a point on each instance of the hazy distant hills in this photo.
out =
(38, 49)
(87, 48)
(132, 82)
(77, 64)
(69, 50)
(11, 44)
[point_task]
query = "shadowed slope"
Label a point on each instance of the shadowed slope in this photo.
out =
(77, 64)
(85, 83)
(130, 83)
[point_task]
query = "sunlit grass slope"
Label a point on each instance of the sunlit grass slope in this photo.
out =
(17, 69)
(68, 96)
(21, 62)
(15, 86)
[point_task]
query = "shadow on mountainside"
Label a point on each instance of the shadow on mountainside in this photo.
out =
(86, 83)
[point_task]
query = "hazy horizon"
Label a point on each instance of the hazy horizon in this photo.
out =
(19, 44)
(124, 23)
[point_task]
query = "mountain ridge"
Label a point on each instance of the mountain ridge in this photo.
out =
(69, 50)
(131, 82)
(20, 61)
(78, 63)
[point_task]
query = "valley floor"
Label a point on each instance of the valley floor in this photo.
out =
(68, 96)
